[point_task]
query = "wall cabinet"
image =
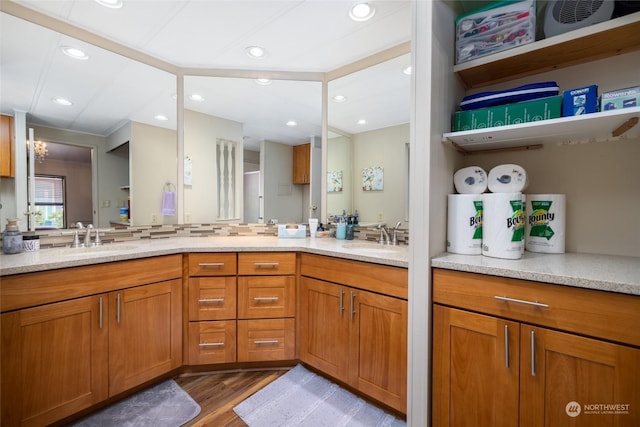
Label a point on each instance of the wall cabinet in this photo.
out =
(534, 356)
(7, 150)
(301, 164)
(72, 351)
(352, 334)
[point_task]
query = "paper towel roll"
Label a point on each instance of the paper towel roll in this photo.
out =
(470, 180)
(464, 224)
(524, 215)
(502, 225)
(507, 179)
(545, 227)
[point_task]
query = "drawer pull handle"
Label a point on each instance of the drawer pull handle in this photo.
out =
(266, 264)
(259, 342)
(506, 346)
(341, 301)
(100, 320)
(118, 308)
(533, 353)
(269, 299)
(210, 300)
(211, 264)
(521, 301)
(211, 344)
(353, 305)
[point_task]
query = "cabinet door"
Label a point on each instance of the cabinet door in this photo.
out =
(378, 347)
(266, 297)
(212, 298)
(567, 380)
(475, 369)
(301, 163)
(145, 333)
(324, 327)
(54, 360)
(212, 342)
(7, 154)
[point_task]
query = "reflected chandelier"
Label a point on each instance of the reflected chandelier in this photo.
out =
(40, 150)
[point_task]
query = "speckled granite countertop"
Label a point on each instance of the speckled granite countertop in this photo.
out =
(600, 272)
(48, 259)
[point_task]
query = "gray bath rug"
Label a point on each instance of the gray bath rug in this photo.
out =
(303, 398)
(164, 405)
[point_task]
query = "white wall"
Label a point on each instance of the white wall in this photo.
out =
(339, 158)
(385, 148)
(282, 199)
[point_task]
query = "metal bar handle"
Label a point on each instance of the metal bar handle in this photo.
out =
(118, 308)
(506, 346)
(521, 301)
(211, 264)
(341, 308)
(211, 344)
(258, 342)
(353, 304)
(206, 300)
(100, 314)
(533, 353)
(271, 299)
(266, 264)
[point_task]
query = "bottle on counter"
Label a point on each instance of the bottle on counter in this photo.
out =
(12, 237)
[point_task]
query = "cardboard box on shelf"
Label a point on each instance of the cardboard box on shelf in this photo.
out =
(583, 100)
(621, 98)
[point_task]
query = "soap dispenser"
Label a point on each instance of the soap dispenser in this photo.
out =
(12, 237)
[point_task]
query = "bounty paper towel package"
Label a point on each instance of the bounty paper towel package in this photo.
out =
(502, 225)
(464, 224)
(470, 180)
(545, 226)
(507, 178)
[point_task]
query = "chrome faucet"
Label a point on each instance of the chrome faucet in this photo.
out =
(384, 234)
(87, 236)
(394, 240)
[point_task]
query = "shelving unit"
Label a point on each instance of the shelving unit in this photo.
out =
(607, 39)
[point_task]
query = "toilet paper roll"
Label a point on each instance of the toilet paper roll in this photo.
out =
(470, 180)
(507, 178)
(464, 224)
(545, 227)
(502, 225)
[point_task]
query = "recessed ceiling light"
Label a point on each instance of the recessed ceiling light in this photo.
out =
(263, 82)
(113, 4)
(74, 52)
(407, 70)
(362, 12)
(292, 123)
(256, 52)
(62, 101)
(362, 122)
(161, 117)
(339, 98)
(196, 97)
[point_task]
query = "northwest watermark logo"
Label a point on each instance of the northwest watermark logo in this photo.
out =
(573, 409)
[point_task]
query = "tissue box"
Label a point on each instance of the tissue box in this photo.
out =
(292, 231)
(508, 114)
(622, 98)
(583, 100)
(500, 26)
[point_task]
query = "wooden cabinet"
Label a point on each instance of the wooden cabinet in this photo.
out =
(212, 301)
(73, 337)
(7, 150)
(352, 334)
(503, 356)
(266, 306)
(301, 164)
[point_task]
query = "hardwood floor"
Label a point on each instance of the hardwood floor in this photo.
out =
(217, 394)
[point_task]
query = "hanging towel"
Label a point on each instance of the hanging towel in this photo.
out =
(168, 203)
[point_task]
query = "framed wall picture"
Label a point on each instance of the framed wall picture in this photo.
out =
(373, 179)
(334, 181)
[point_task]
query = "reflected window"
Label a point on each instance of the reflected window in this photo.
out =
(50, 201)
(226, 173)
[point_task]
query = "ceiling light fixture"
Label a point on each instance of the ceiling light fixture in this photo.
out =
(339, 98)
(292, 123)
(196, 97)
(112, 4)
(161, 117)
(255, 52)
(40, 151)
(407, 70)
(63, 101)
(263, 82)
(74, 52)
(362, 122)
(361, 12)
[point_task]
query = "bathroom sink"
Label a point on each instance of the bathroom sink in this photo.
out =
(91, 250)
(372, 248)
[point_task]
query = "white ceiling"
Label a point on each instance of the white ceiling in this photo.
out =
(300, 36)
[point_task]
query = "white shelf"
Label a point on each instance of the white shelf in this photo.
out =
(124, 187)
(568, 130)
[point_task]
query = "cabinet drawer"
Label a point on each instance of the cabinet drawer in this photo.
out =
(266, 297)
(266, 263)
(607, 315)
(212, 298)
(212, 342)
(212, 264)
(268, 339)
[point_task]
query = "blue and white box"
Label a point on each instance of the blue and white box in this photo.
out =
(582, 100)
(292, 231)
(621, 98)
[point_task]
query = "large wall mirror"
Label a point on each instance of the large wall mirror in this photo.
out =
(121, 112)
(239, 135)
(368, 142)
